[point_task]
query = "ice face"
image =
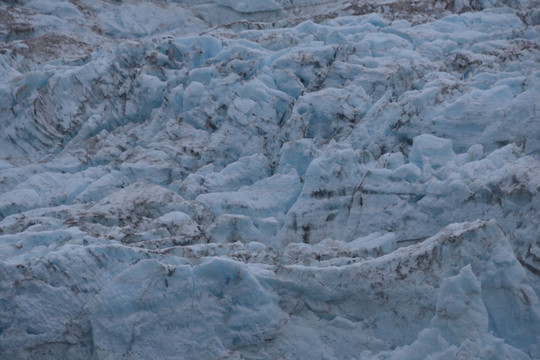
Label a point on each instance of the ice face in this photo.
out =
(431, 151)
(269, 179)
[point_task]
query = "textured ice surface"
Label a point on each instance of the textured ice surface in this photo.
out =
(269, 179)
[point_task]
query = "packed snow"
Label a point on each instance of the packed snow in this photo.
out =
(270, 179)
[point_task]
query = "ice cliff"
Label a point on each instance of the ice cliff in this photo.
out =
(269, 179)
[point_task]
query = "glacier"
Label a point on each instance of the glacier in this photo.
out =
(270, 179)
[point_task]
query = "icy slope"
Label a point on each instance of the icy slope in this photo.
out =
(269, 179)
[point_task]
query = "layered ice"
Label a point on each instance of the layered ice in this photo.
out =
(269, 179)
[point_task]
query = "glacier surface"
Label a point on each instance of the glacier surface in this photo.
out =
(269, 179)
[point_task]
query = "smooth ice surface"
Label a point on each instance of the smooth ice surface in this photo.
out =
(269, 179)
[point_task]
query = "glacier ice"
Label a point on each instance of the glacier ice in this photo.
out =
(267, 179)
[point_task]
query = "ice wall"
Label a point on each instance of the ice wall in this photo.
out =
(269, 179)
